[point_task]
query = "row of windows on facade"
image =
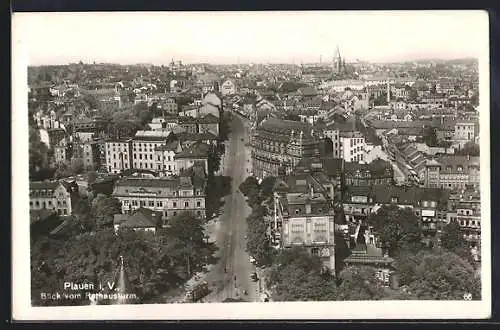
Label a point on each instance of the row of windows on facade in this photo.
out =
(467, 222)
(49, 203)
(460, 168)
(357, 158)
(158, 204)
(308, 210)
(394, 199)
(357, 149)
(45, 193)
(185, 193)
(353, 142)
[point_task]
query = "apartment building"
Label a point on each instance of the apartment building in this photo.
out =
(143, 148)
(452, 172)
(50, 196)
(280, 145)
(429, 204)
(352, 146)
(307, 218)
(170, 195)
(118, 155)
(165, 158)
(465, 208)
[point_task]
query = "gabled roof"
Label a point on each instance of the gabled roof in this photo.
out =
(142, 218)
(197, 150)
(44, 185)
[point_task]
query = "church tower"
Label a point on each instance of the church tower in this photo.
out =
(337, 62)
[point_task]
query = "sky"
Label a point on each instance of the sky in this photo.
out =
(247, 37)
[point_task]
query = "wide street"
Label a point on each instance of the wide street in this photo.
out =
(231, 276)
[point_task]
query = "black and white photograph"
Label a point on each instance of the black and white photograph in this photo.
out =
(251, 165)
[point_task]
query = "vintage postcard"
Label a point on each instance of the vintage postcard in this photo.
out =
(251, 165)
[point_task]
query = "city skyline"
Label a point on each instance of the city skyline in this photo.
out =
(157, 38)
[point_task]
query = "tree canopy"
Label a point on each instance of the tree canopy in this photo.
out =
(297, 276)
(441, 275)
(397, 228)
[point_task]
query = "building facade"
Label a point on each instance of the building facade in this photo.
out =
(352, 146)
(170, 196)
(118, 155)
(281, 144)
(51, 196)
(452, 172)
(307, 219)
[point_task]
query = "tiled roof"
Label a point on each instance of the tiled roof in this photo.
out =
(197, 150)
(185, 136)
(44, 185)
(382, 124)
(284, 126)
(383, 194)
(170, 146)
(142, 218)
(148, 183)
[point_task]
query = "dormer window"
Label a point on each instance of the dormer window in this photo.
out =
(459, 168)
(297, 211)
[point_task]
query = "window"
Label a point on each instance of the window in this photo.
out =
(135, 156)
(159, 204)
(151, 203)
(114, 164)
(64, 203)
(150, 157)
(65, 212)
(31, 203)
(186, 204)
(198, 204)
(50, 204)
(297, 211)
(174, 204)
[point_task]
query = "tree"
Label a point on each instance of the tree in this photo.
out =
(299, 276)
(413, 95)
(359, 283)
(430, 136)
(267, 186)
(38, 154)
(213, 160)
(186, 243)
(103, 210)
(93, 257)
(251, 189)
(452, 239)
(292, 116)
(470, 149)
(397, 228)
(443, 275)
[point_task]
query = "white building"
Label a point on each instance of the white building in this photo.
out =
(118, 155)
(51, 196)
(143, 148)
(228, 88)
(353, 147)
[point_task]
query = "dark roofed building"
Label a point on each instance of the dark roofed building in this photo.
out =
(281, 143)
(141, 219)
